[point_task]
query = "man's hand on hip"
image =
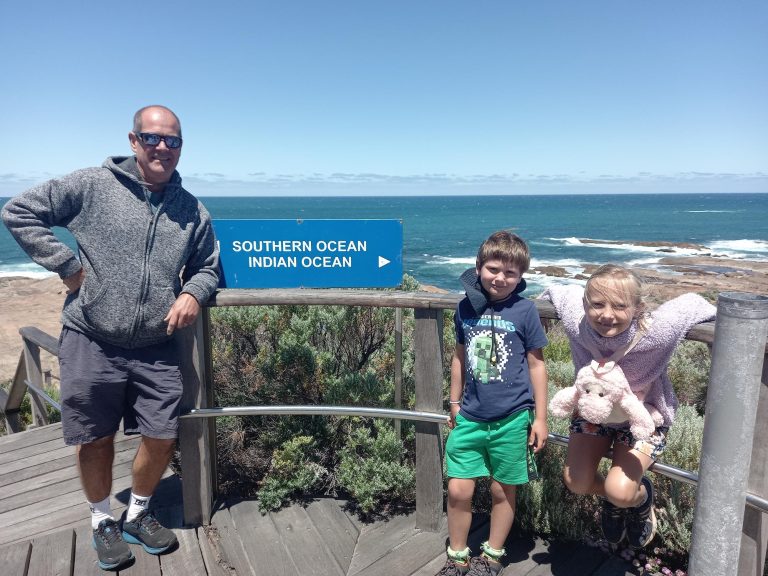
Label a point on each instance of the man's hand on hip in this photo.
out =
(183, 313)
(74, 282)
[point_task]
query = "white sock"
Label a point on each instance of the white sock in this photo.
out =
(100, 511)
(138, 505)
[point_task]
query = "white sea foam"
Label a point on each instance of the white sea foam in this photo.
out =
(713, 211)
(759, 246)
(629, 247)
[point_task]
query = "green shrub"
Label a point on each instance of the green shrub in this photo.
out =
(372, 470)
(292, 470)
(689, 373)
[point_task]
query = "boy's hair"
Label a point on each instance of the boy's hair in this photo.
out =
(507, 247)
(622, 280)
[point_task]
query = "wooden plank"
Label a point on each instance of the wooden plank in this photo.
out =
(227, 542)
(50, 490)
(303, 543)
(15, 558)
(333, 297)
(44, 519)
(29, 437)
(428, 376)
(143, 564)
(337, 531)
(63, 499)
(615, 566)
(409, 556)
(8, 456)
(53, 555)
(213, 564)
(187, 560)
(86, 561)
(432, 567)
(62, 474)
(62, 452)
(262, 538)
(39, 338)
(376, 540)
(568, 558)
(42, 462)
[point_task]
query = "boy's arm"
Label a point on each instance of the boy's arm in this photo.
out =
(457, 383)
(538, 372)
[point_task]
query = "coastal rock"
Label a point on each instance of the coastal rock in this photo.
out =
(29, 302)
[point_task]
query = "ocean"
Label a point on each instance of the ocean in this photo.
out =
(441, 234)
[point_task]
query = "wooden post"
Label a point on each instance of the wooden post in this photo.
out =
(197, 436)
(428, 345)
(398, 366)
(34, 375)
(754, 535)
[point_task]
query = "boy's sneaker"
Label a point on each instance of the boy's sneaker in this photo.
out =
(612, 521)
(147, 531)
(641, 521)
(453, 568)
(110, 546)
(483, 566)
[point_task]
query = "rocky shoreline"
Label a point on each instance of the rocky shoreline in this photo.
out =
(35, 302)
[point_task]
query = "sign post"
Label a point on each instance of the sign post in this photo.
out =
(310, 253)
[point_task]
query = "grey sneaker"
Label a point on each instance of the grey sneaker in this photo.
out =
(147, 531)
(110, 547)
(483, 566)
(641, 521)
(612, 521)
(453, 568)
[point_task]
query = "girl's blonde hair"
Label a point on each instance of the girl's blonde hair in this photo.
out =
(612, 280)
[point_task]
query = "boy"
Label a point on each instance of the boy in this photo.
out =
(498, 384)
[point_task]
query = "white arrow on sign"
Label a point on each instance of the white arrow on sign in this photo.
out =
(383, 261)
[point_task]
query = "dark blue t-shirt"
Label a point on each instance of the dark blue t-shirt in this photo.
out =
(497, 382)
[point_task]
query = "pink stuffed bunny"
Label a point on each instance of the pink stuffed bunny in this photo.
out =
(601, 395)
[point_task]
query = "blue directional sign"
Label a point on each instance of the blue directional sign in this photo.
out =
(310, 253)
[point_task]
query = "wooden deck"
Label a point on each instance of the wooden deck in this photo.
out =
(45, 530)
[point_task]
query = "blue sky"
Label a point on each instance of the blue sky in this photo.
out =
(397, 97)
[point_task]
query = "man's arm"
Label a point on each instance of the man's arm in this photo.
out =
(538, 372)
(200, 276)
(30, 216)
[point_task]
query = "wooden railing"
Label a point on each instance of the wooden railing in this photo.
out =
(197, 436)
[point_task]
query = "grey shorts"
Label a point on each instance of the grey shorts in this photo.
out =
(102, 384)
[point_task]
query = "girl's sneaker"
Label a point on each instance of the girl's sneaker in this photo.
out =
(612, 521)
(641, 521)
(453, 568)
(484, 566)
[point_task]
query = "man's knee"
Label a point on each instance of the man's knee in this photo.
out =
(158, 447)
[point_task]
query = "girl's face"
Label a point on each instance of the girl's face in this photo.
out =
(609, 311)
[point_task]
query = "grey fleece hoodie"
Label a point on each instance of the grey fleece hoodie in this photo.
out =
(135, 259)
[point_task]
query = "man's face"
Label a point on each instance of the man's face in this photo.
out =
(499, 279)
(156, 163)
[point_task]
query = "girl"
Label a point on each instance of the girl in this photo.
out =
(607, 315)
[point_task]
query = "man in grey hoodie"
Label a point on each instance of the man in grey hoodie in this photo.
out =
(147, 261)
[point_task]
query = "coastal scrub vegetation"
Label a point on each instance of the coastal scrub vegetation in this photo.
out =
(345, 356)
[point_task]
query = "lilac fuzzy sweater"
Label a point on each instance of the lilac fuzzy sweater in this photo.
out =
(645, 366)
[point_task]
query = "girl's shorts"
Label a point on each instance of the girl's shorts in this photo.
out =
(653, 447)
(498, 449)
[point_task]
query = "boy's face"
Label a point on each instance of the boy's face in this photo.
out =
(499, 279)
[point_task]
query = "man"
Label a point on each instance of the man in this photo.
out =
(147, 261)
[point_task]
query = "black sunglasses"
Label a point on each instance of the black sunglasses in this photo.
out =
(154, 139)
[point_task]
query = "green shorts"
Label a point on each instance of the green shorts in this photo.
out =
(498, 449)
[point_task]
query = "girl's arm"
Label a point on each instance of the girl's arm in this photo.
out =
(457, 383)
(538, 372)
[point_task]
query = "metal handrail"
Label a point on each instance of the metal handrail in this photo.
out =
(667, 470)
